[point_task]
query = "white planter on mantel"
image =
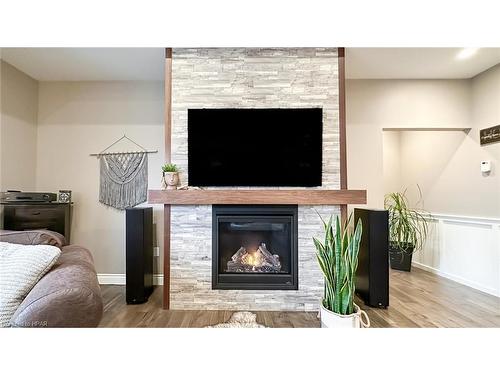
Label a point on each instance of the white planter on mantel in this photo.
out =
(355, 320)
(170, 180)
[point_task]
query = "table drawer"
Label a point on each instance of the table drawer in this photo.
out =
(54, 217)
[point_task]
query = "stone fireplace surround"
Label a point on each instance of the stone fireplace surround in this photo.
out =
(249, 78)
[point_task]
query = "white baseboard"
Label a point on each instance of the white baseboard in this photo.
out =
(119, 279)
(158, 279)
(111, 278)
(455, 278)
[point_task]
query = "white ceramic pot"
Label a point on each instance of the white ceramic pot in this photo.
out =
(171, 180)
(355, 320)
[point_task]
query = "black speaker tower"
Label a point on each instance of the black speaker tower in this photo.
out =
(372, 276)
(139, 254)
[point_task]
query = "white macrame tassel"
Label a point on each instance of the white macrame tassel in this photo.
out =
(123, 180)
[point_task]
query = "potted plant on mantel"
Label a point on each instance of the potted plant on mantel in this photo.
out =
(338, 260)
(408, 229)
(170, 178)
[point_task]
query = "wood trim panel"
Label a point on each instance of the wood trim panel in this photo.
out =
(426, 129)
(343, 213)
(342, 120)
(302, 197)
(168, 105)
(342, 129)
(166, 256)
(168, 159)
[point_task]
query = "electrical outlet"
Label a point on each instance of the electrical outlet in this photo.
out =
(156, 251)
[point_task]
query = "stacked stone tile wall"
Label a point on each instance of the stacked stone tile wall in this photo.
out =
(249, 78)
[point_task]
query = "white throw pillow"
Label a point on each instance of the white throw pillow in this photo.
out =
(21, 267)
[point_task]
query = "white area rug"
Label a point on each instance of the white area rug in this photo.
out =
(240, 319)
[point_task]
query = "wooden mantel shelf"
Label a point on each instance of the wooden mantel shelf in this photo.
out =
(255, 196)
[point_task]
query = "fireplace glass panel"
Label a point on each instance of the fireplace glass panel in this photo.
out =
(255, 245)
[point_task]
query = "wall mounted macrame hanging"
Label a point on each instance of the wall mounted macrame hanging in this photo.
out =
(123, 177)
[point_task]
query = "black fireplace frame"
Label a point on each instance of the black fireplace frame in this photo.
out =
(257, 281)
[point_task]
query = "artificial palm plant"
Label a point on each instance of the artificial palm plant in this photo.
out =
(408, 228)
(338, 260)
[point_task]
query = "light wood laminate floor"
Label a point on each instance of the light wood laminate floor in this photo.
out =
(417, 299)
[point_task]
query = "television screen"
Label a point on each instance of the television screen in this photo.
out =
(255, 147)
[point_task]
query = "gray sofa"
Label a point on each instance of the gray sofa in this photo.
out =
(68, 295)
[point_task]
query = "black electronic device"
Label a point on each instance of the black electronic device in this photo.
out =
(372, 276)
(255, 146)
(21, 196)
(139, 254)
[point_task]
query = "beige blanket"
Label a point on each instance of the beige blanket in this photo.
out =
(21, 267)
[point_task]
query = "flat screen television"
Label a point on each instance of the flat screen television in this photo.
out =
(255, 147)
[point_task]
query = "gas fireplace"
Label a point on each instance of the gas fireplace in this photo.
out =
(254, 247)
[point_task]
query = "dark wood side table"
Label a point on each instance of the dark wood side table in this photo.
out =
(53, 216)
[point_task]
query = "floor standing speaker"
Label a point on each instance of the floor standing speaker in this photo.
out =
(372, 276)
(139, 254)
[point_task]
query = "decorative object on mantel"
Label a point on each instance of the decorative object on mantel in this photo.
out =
(240, 319)
(187, 187)
(338, 260)
(170, 178)
(489, 135)
(123, 176)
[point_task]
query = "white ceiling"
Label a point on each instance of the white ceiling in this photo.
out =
(417, 63)
(119, 64)
(88, 64)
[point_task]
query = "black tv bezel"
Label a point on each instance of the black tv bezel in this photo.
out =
(317, 183)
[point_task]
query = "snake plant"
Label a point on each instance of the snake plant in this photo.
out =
(338, 260)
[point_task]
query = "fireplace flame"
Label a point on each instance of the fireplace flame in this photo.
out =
(257, 260)
(253, 259)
